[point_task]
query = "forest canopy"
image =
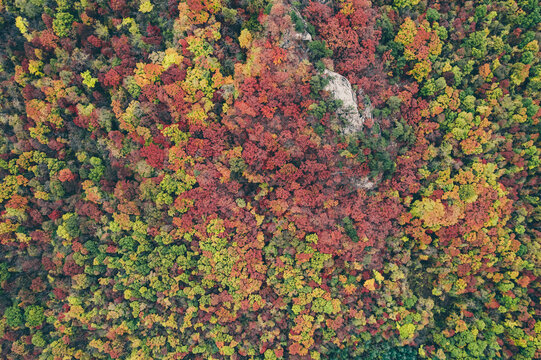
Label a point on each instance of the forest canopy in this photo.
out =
(270, 179)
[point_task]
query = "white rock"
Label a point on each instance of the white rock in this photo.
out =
(302, 36)
(364, 183)
(341, 89)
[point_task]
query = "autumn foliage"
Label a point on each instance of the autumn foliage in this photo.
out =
(176, 181)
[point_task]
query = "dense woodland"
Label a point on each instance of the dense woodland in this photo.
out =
(176, 181)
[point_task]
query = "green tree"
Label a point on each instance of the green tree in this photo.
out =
(62, 24)
(318, 50)
(34, 316)
(13, 316)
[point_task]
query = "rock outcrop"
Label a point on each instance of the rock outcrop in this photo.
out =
(293, 38)
(339, 87)
(341, 90)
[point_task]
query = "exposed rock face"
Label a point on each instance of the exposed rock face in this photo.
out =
(292, 37)
(338, 85)
(302, 37)
(341, 89)
(364, 183)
